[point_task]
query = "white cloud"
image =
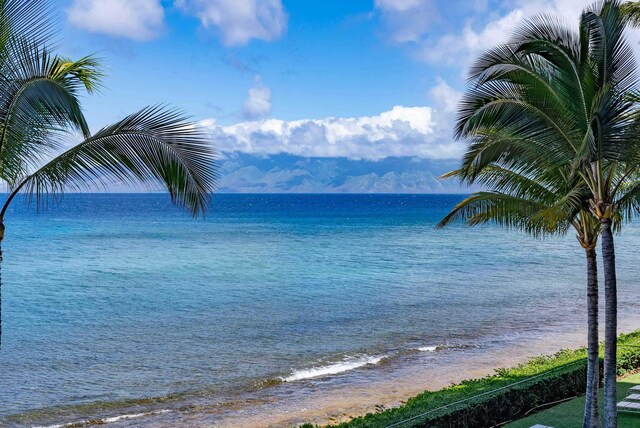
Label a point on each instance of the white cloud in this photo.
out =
(258, 102)
(399, 5)
(401, 131)
(455, 49)
(445, 97)
(478, 31)
(406, 20)
(133, 19)
(239, 21)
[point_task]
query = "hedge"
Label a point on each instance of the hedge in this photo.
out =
(504, 396)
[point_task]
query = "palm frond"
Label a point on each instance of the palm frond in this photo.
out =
(156, 144)
(26, 19)
(505, 210)
(85, 73)
(39, 93)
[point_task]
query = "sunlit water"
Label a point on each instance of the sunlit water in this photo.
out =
(109, 300)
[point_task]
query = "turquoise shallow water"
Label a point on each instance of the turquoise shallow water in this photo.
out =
(115, 298)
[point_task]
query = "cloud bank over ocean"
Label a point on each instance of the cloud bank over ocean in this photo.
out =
(401, 131)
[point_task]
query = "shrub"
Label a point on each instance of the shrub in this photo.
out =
(628, 352)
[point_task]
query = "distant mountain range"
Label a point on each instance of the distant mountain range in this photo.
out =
(244, 173)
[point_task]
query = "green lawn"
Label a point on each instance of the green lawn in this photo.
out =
(569, 414)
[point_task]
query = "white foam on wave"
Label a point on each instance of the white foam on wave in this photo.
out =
(132, 416)
(427, 348)
(105, 420)
(335, 368)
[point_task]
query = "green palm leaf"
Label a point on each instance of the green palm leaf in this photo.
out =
(26, 19)
(156, 144)
(39, 94)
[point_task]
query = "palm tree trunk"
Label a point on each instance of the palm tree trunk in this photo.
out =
(1, 239)
(0, 293)
(591, 416)
(611, 325)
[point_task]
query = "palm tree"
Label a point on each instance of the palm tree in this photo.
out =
(537, 204)
(609, 157)
(556, 99)
(40, 109)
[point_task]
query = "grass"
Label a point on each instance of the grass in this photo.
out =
(552, 367)
(501, 396)
(569, 414)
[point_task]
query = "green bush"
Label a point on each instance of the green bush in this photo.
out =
(504, 396)
(628, 353)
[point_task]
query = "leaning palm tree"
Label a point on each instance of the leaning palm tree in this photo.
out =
(541, 203)
(555, 99)
(39, 109)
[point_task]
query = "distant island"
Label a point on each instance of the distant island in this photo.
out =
(245, 173)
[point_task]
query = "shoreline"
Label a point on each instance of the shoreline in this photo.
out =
(336, 399)
(341, 404)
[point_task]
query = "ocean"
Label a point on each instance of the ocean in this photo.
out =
(124, 309)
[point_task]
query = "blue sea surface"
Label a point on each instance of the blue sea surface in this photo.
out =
(113, 298)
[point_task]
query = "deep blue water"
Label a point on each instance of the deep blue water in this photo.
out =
(110, 297)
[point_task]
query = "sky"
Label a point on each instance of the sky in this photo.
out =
(355, 79)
